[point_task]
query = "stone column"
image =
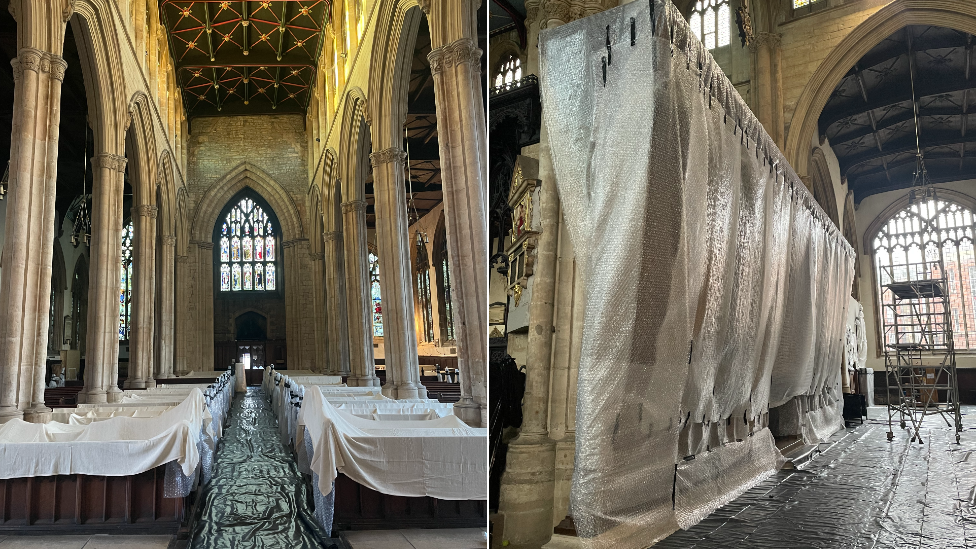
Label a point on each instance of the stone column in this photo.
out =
(181, 315)
(206, 306)
(25, 288)
(102, 361)
(362, 371)
(768, 84)
(336, 303)
(293, 323)
(393, 243)
(165, 292)
(322, 359)
(463, 158)
(143, 298)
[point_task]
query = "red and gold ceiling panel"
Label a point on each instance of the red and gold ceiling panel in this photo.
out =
(245, 57)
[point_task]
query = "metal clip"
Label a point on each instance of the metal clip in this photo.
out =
(609, 52)
(633, 31)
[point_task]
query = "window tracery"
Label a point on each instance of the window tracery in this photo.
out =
(248, 249)
(375, 295)
(711, 22)
(925, 231)
(125, 287)
(509, 73)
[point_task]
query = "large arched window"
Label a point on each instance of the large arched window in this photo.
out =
(445, 307)
(248, 249)
(711, 21)
(509, 73)
(125, 289)
(921, 233)
(374, 292)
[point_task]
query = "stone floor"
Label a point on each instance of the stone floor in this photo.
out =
(448, 538)
(100, 541)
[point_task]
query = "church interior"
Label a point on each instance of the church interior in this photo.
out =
(732, 277)
(246, 308)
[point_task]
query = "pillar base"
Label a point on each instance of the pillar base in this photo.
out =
(9, 412)
(39, 414)
(165, 376)
(469, 411)
(114, 394)
(92, 397)
(407, 390)
(134, 384)
(527, 492)
(389, 391)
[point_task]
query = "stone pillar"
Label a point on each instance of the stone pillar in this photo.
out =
(362, 371)
(768, 84)
(336, 303)
(322, 358)
(25, 287)
(165, 293)
(102, 360)
(463, 158)
(393, 243)
(206, 306)
(181, 315)
(293, 305)
(143, 298)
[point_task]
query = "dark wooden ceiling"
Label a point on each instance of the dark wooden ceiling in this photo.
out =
(245, 57)
(870, 117)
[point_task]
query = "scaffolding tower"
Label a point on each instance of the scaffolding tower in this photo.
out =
(920, 359)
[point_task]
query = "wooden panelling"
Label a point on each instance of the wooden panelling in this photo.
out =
(359, 508)
(83, 503)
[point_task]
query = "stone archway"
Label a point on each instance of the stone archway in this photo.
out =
(954, 14)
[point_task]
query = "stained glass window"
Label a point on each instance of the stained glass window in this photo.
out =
(711, 21)
(509, 73)
(249, 263)
(423, 290)
(125, 288)
(908, 244)
(374, 292)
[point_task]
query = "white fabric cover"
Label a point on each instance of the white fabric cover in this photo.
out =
(119, 446)
(715, 286)
(441, 458)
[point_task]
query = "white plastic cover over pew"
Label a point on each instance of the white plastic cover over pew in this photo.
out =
(441, 458)
(119, 446)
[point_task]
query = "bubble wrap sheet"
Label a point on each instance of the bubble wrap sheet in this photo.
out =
(716, 288)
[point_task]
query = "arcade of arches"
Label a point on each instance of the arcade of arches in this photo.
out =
(242, 184)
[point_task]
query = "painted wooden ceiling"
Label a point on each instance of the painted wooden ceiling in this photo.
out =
(245, 57)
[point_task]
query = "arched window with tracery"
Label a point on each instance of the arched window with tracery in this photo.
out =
(423, 289)
(248, 249)
(926, 231)
(711, 21)
(375, 295)
(509, 72)
(442, 270)
(125, 288)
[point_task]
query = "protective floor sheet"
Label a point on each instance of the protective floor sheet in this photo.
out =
(256, 497)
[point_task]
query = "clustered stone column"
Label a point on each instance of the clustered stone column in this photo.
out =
(206, 311)
(164, 347)
(769, 84)
(322, 354)
(358, 302)
(143, 298)
(102, 361)
(463, 149)
(25, 287)
(181, 316)
(393, 241)
(338, 334)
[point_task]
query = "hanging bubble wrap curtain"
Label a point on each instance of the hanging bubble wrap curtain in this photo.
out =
(716, 287)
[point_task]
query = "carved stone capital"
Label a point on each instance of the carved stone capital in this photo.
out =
(67, 10)
(145, 210)
(316, 256)
(393, 154)
(354, 206)
(184, 259)
(30, 59)
(58, 66)
(425, 6)
(109, 161)
(465, 50)
(558, 10)
(169, 240)
(761, 39)
(332, 236)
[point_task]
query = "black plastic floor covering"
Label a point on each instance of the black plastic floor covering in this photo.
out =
(862, 492)
(256, 497)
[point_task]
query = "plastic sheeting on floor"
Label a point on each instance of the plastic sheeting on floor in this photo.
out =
(863, 491)
(716, 287)
(256, 497)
